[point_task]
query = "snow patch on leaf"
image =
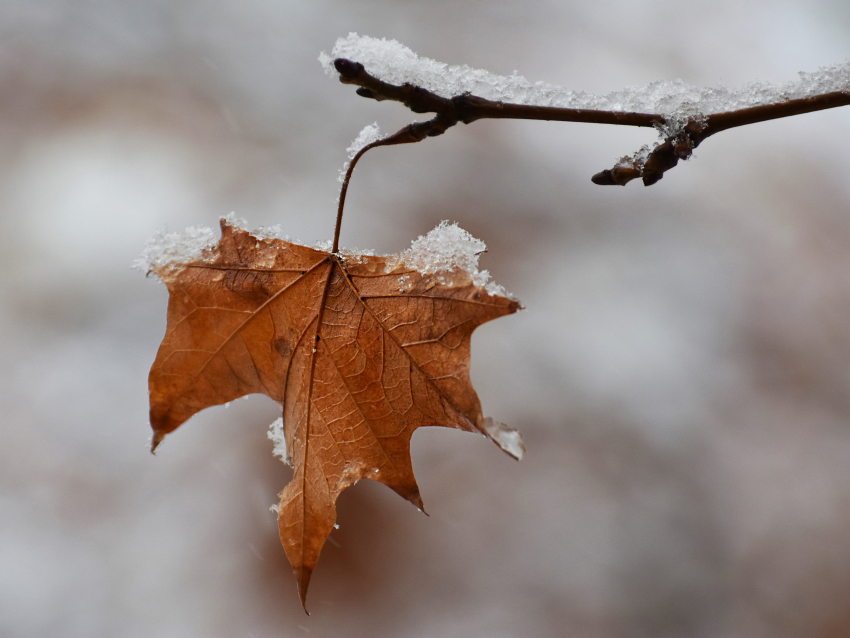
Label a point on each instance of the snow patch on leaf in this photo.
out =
(449, 248)
(171, 250)
(277, 437)
(443, 252)
(355, 256)
(236, 222)
(263, 232)
(269, 232)
(446, 247)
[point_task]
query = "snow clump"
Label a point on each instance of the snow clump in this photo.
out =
(196, 243)
(171, 249)
(277, 437)
(369, 134)
(448, 247)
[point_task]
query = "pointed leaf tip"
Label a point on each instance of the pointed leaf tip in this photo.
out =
(302, 593)
(157, 438)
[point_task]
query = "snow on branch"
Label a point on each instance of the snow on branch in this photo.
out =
(394, 63)
(369, 135)
(684, 115)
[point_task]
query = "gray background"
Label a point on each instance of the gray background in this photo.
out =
(681, 373)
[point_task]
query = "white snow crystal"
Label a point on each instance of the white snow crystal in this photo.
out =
(355, 256)
(263, 232)
(165, 249)
(193, 244)
(448, 247)
(269, 232)
(235, 221)
(279, 440)
(369, 134)
(395, 63)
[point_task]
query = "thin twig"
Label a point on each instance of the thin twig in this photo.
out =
(407, 135)
(468, 108)
(722, 121)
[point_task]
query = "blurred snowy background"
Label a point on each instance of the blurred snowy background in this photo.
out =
(681, 373)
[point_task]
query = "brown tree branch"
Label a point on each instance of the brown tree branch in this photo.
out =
(468, 108)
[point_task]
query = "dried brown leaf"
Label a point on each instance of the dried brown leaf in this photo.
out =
(359, 350)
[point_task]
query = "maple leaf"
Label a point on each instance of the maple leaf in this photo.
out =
(359, 351)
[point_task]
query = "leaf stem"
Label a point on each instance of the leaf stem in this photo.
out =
(343, 192)
(408, 135)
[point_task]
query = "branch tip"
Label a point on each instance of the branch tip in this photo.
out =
(347, 69)
(603, 178)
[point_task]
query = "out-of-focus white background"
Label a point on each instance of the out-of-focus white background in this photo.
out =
(681, 373)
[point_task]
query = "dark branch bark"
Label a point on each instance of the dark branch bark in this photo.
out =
(722, 121)
(468, 108)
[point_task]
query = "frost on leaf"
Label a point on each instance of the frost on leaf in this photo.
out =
(449, 252)
(279, 440)
(166, 251)
(172, 249)
(359, 350)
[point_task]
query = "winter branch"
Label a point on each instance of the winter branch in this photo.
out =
(650, 167)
